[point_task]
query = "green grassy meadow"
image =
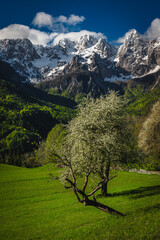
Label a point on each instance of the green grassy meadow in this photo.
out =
(33, 207)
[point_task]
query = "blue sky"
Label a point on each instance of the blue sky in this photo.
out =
(112, 18)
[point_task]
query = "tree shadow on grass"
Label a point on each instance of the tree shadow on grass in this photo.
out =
(148, 209)
(139, 192)
(143, 210)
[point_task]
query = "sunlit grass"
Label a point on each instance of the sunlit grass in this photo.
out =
(33, 207)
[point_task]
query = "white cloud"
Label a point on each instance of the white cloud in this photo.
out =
(73, 19)
(61, 18)
(38, 37)
(122, 39)
(43, 19)
(15, 31)
(74, 36)
(154, 30)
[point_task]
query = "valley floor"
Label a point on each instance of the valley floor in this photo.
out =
(33, 207)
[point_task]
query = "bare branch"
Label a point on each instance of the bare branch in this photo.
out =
(68, 180)
(67, 187)
(94, 198)
(75, 190)
(72, 173)
(86, 182)
(104, 180)
(95, 190)
(99, 186)
(112, 177)
(60, 158)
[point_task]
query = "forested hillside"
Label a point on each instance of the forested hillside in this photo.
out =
(140, 101)
(27, 115)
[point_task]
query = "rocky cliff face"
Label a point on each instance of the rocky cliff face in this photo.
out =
(132, 55)
(20, 54)
(139, 55)
(154, 53)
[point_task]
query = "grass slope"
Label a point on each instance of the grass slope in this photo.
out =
(32, 208)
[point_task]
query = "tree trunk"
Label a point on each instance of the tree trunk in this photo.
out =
(103, 176)
(104, 191)
(102, 207)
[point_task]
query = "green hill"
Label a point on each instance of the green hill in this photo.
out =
(34, 207)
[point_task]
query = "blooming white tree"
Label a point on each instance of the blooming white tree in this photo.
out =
(149, 137)
(97, 141)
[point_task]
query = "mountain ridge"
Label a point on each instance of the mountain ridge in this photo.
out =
(135, 58)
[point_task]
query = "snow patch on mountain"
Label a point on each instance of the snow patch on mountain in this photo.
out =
(120, 78)
(44, 61)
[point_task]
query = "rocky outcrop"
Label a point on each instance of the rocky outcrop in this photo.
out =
(139, 55)
(154, 52)
(133, 54)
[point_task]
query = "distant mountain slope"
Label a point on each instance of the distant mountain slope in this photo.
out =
(8, 73)
(148, 81)
(77, 82)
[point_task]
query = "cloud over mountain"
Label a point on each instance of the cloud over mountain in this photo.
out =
(74, 36)
(38, 37)
(154, 30)
(15, 31)
(122, 39)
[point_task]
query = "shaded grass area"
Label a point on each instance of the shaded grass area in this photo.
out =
(33, 207)
(139, 192)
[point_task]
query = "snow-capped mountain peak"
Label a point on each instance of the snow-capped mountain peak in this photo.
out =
(137, 56)
(132, 34)
(86, 41)
(36, 63)
(132, 55)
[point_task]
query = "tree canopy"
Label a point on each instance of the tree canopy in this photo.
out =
(101, 133)
(98, 139)
(149, 137)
